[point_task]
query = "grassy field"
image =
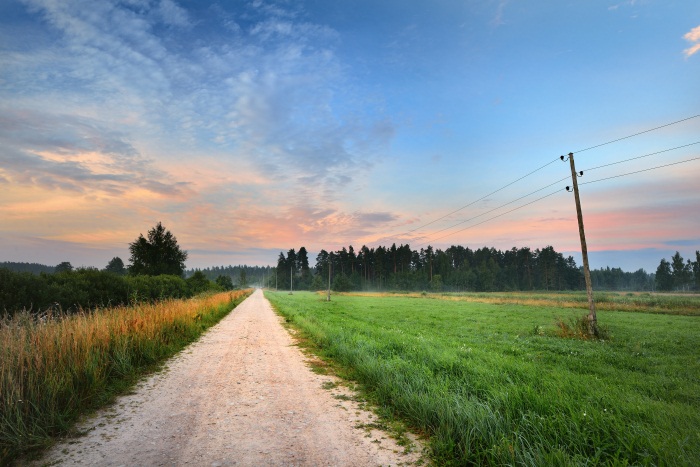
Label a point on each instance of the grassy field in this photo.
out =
(491, 383)
(53, 370)
(672, 304)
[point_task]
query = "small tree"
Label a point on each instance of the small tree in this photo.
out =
(159, 254)
(116, 266)
(225, 282)
(243, 279)
(436, 283)
(198, 283)
(63, 267)
(318, 283)
(664, 278)
(341, 283)
(680, 271)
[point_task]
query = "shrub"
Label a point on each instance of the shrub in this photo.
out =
(84, 289)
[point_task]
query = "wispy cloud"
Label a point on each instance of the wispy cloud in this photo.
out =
(121, 96)
(76, 154)
(498, 18)
(693, 36)
(622, 4)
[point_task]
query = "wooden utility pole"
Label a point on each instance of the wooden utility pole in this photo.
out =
(291, 280)
(592, 320)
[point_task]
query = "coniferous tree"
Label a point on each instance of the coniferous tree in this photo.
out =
(63, 267)
(158, 254)
(116, 266)
(664, 277)
(680, 271)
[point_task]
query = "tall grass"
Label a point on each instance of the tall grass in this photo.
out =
(487, 390)
(53, 369)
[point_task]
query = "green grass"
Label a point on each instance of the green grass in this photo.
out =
(52, 371)
(490, 384)
(671, 304)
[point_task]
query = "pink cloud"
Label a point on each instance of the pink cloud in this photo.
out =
(692, 50)
(692, 36)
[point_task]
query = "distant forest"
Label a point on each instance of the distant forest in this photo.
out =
(456, 268)
(241, 276)
(34, 268)
(459, 268)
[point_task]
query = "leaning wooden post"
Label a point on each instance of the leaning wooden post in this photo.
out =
(592, 320)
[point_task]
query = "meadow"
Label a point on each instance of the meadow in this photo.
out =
(54, 368)
(488, 380)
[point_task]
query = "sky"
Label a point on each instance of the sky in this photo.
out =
(251, 127)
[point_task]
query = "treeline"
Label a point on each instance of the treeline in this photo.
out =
(90, 288)
(459, 268)
(456, 268)
(617, 279)
(34, 268)
(241, 276)
(678, 274)
(156, 272)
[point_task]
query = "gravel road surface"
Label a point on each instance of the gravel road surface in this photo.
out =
(242, 395)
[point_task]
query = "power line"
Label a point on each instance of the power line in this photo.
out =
(482, 198)
(637, 134)
(494, 217)
(547, 164)
(643, 170)
(554, 183)
(499, 207)
(640, 157)
(542, 167)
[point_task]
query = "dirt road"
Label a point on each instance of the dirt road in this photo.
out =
(241, 395)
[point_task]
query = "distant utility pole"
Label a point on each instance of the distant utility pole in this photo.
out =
(291, 280)
(275, 279)
(592, 320)
(329, 278)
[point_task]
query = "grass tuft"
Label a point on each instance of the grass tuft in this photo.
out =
(578, 328)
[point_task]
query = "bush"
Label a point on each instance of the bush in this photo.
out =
(84, 289)
(199, 283)
(22, 290)
(341, 283)
(154, 288)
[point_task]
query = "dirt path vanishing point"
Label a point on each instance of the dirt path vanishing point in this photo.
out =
(241, 395)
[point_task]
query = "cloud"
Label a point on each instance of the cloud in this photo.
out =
(498, 18)
(270, 94)
(74, 153)
(692, 36)
(172, 14)
(622, 4)
(691, 50)
(251, 135)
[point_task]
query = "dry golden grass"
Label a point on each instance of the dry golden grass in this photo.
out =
(54, 367)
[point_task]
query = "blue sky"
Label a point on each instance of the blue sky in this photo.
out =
(252, 127)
